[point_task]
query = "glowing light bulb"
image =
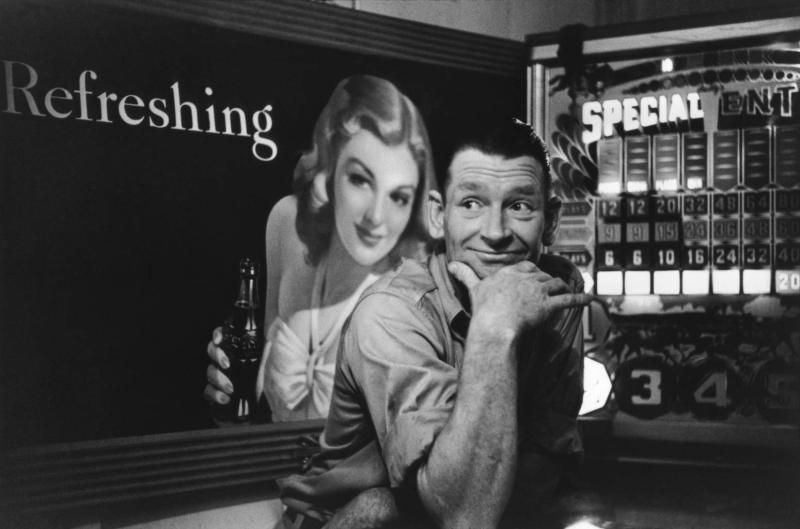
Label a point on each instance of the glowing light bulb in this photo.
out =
(596, 386)
(583, 524)
(667, 65)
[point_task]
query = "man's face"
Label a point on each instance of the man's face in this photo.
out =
(496, 212)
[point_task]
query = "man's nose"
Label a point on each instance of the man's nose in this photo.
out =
(495, 228)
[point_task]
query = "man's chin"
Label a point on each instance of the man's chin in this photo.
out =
(483, 270)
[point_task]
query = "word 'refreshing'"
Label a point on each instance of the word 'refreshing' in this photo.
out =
(22, 96)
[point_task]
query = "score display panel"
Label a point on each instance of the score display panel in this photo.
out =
(681, 207)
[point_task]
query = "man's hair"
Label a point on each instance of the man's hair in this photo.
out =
(509, 138)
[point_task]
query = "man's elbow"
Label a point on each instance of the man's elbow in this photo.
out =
(372, 509)
(449, 508)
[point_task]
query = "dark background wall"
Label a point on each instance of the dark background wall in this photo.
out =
(120, 243)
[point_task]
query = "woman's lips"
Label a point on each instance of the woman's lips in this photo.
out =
(368, 237)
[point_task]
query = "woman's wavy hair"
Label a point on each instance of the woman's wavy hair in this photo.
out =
(360, 102)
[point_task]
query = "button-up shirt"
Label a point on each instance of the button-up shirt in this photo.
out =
(396, 378)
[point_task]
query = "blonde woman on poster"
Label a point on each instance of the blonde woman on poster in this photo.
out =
(358, 207)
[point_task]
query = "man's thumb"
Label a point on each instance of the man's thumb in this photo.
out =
(463, 273)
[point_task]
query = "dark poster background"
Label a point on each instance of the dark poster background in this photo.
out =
(120, 243)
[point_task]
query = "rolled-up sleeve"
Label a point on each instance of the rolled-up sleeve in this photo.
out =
(393, 352)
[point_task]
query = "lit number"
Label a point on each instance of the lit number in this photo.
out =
(756, 202)
(719, 229)
(726, 229)
(695, 230)
(666, 257)
(637, 207)
(787, 227)
(696, 256)
(725, 256)
(637, 258)
(787, 254)
(609, 208)
(695, 205)
(756, 254)
(713, 390)
(666, 205)
(756, 228)
(783, 389)
(787, 281)
(609, 258)
(638, 232)
(610, 233)
(666, 231)
(651, 387)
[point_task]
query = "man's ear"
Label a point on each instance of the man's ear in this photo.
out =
(552, 215)
(435, 215)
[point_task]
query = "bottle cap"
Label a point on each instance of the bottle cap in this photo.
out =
(248, 266)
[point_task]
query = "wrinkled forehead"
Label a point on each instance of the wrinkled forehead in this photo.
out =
(473, 164)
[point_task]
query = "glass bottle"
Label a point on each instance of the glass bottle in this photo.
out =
(243, 341)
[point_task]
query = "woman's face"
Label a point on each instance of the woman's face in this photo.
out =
(374, 189)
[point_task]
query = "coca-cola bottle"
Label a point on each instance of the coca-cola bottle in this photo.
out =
(242, 341)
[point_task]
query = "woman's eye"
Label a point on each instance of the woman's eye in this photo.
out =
(401, 199)
(358, 179)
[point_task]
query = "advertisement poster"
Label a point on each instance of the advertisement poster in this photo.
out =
(139, 158)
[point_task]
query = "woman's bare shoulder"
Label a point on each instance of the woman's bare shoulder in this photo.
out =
(281, 236)
(283, 212)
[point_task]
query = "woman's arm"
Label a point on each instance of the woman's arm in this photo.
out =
(280, 224)
(280, 227)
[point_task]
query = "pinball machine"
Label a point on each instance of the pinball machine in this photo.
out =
(676, 154)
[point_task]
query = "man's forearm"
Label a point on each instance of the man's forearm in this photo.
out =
(469, 473)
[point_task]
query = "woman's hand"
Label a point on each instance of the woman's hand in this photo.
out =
(219, 387)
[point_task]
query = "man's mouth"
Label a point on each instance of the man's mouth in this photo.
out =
(368, 237)
(501, 257)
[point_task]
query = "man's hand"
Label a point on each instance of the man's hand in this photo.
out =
(516, 297)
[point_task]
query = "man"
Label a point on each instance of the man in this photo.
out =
(458, 380)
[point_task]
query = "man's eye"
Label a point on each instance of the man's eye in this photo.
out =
(470, 204)
(521, 207)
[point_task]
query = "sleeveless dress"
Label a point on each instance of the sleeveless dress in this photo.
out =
(298, 382)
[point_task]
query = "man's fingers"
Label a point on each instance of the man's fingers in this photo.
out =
(217, 378)
(564, 301)
(556, 285)
(217, 355)
(526, 266)
(463, 273)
